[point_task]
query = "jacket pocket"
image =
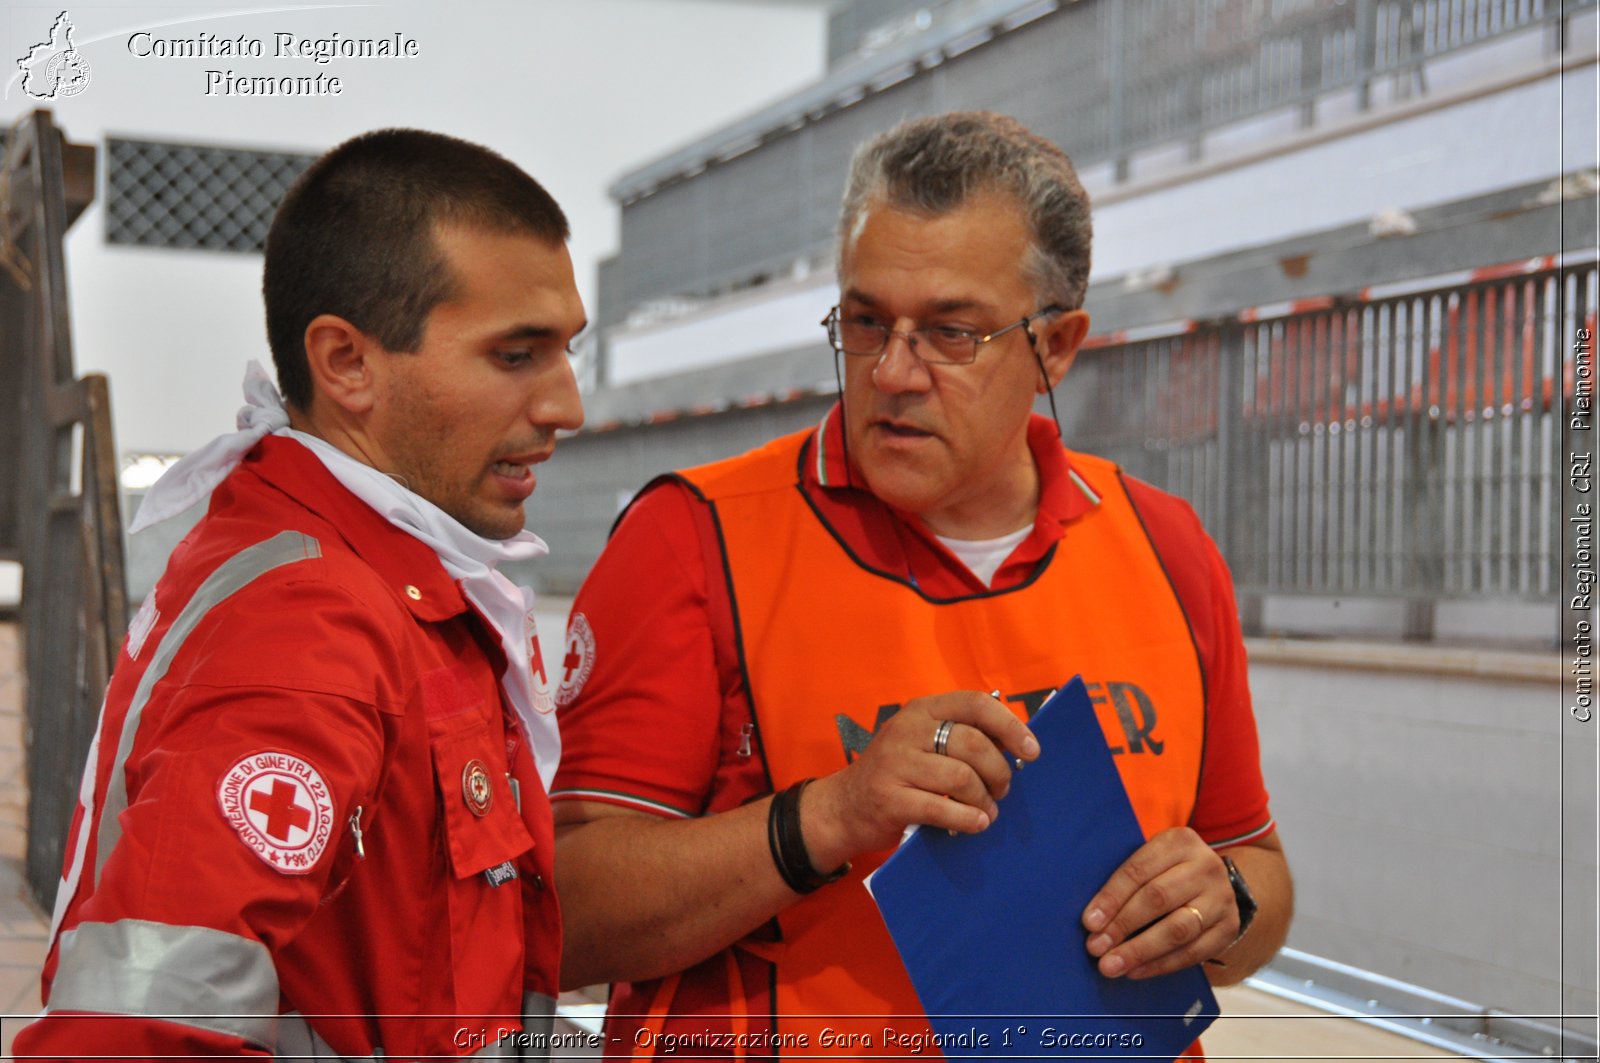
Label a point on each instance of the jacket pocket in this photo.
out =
(482, 827)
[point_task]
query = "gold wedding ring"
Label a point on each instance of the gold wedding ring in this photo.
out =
(1200, 918)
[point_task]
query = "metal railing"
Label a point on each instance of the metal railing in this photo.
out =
(1186, 68)
(1104, 80)
(1409, 445)
(63, 479)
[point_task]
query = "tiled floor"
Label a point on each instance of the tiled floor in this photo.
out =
(1256, 1026)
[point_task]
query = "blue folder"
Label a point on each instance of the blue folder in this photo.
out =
(990, 928)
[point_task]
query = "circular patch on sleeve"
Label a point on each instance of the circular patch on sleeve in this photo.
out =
(280, 807)
(578, 661)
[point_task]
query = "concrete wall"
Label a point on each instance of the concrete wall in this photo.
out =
(1438, 808)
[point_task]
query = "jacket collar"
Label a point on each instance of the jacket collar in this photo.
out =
(403, 562)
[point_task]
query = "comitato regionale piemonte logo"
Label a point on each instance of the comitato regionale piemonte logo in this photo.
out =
(54, 69)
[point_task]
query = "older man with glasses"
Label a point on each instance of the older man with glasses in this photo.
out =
(786, 658)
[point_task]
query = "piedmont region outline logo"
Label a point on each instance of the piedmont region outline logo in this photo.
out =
(54, 68)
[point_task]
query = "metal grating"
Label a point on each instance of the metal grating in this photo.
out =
(193, 197)
(1411, 446)
(1404, 442)
(1154, 409)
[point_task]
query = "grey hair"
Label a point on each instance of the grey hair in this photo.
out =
(932, 166)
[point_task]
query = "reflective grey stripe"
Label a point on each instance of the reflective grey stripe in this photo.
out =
(538, 1022)
(190, 975)
(1089, 492)
(231, 576)
(297, 1040)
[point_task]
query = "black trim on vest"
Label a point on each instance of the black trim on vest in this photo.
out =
(1199, 658)
(800, 486)
(663, 478)
(733, 608)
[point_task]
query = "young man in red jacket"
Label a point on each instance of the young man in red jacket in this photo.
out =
(314, 821)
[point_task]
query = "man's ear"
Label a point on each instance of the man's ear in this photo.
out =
(341, 359)
(1059, 340)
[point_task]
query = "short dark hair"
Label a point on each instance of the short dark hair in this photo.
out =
(932, 166)
(354, 237)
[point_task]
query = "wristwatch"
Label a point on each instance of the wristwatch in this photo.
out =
(1242, 897)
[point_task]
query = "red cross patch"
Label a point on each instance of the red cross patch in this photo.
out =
(281, 808)
(578, 661)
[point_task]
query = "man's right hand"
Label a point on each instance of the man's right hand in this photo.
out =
(899, 780)
(645, 896)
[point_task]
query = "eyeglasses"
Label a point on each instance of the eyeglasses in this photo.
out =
(937, 345)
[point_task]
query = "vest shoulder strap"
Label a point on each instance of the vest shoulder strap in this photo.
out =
(773, 466)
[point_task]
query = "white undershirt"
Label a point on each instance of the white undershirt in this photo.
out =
(985, 556)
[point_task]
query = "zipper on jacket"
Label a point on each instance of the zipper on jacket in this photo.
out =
(355, 832)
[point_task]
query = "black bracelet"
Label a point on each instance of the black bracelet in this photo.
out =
(788, 845)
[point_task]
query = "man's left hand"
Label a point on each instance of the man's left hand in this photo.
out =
(1168, 906)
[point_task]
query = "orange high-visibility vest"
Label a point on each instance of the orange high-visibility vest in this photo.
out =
(830, 647)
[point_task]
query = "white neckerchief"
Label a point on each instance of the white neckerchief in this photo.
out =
(469, 558)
